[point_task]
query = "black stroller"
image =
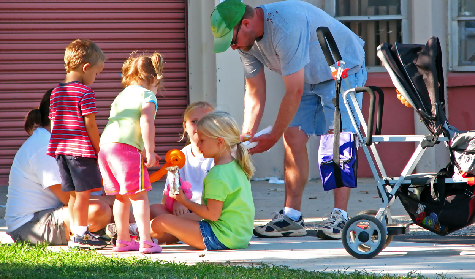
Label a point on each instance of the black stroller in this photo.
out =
(441, 202)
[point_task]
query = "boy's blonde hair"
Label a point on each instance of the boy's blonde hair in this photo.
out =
(82, 51)
(186, 115)
(219, 124)
(139, 68)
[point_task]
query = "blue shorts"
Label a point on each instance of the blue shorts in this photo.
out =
(209, 238)
(316, 110)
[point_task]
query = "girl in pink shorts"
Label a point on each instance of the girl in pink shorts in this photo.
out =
(127, 148)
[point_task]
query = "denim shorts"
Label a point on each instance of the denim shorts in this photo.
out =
(209, 238)
(316, 111)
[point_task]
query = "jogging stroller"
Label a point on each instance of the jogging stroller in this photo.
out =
(441, 202)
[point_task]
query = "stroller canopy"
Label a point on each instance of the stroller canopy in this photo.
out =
(417, 73)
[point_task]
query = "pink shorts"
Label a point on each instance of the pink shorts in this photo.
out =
(123, 170)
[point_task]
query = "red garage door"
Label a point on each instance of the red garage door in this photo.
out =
(34, 34)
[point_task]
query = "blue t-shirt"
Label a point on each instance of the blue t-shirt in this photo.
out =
(290, 43)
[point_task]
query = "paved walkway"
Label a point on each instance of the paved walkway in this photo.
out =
(429, 255)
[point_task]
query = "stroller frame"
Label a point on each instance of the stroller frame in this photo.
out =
(417, 68)
(381, 233)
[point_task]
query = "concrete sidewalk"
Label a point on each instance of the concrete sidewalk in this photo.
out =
(269, 197)
(429, 258)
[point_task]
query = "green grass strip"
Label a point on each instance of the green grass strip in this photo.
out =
(36, 261)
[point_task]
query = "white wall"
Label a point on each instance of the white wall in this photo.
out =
(429, 18)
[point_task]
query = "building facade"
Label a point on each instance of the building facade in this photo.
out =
(34, 34)
(219, 77)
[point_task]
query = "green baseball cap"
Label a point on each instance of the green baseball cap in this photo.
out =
(223, 20)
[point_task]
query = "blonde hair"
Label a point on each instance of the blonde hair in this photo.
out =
(142, 68)
(186, 115)
(82, 51)
(219, 124)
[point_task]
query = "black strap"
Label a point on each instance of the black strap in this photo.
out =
(336, 136)
(327, 42)
(437, 189)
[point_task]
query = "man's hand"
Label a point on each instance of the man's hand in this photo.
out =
(265, 142)
(179, 209)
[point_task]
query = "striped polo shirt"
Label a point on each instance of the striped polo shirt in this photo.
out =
(68, 104)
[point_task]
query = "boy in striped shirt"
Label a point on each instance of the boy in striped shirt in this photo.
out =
(75, 138)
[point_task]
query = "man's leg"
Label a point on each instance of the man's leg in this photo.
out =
(99, 214)
(296, 166)
(334, 225)
(296, 169)
(341, 197)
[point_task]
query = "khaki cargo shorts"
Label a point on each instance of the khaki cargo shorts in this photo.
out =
(46, 226)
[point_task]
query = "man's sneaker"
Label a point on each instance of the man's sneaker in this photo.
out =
(333, 226)
(281, 225)
(87, 241)
(102, 234)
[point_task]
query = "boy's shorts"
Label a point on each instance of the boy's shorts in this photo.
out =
(209, 238)
(316, 109)
(123, 169)
(78, 173)
(46, 226)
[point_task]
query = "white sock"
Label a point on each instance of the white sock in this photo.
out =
(133, 228)
(344, 213)
(292, 213)
(79, 230)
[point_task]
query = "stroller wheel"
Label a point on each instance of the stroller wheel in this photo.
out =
(364, 237)
(373, 213)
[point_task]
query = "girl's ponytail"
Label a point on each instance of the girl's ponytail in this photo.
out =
(32, 118)
(244, 160)
(157, 62)
(40, 115)
(138, 68)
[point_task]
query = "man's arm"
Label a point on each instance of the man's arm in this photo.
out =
(288, 108)
(92, 131)
(254, 103)
(62, 196)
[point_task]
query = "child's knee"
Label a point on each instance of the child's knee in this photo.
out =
(142, 195)
(158, 209)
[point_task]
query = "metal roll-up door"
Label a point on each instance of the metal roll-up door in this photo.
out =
(34, 34)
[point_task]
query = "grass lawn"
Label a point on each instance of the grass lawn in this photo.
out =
(25, 261)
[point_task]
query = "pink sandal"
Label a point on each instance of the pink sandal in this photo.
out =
(130, 246)
(155, 248)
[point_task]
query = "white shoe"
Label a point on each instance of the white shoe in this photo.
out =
(333, 226)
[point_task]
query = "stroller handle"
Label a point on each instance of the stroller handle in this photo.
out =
(379, 114)
(324, 35)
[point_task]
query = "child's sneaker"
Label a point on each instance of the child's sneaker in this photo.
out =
(333, 226)
(281, 225)
(87, 241)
